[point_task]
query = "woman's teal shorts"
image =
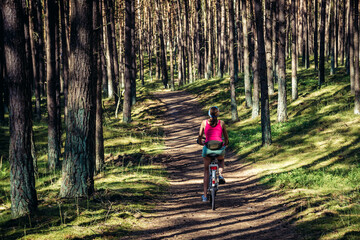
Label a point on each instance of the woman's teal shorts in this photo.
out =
(207, 151)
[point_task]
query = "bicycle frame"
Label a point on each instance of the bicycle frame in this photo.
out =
(213, 170)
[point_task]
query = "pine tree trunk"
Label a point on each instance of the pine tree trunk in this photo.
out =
(294, 85)
(199, 51)
(111, 49)
(65, 47)
(34, 55)
(78, 166)
(170, 35)
(222, 40)
(22, 180)
(322, 45)
(129, 57)
(2, 80)
(255, 59)
(316, 36)
(188, 42)
(351, 48)
(181, 66)
(356, 58)
(133, 53)
(233, 62)
(282, 105)
(141, 51)
(164, 72)
(97, 74)
(246, 55)
(109, 86)
(51, 79)
(261, 68)
(269, 46)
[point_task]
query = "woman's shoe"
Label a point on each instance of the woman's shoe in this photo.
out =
(221, 180)
(204, 199)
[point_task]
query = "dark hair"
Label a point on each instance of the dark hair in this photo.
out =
(214, 112)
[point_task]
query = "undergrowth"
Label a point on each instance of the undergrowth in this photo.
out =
(314, 158)
(133, 180)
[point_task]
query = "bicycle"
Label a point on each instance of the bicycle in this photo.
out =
(213, 179)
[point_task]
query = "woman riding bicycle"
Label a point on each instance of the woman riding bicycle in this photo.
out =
(214, 130)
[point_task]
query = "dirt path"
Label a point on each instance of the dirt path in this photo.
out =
(245, 210)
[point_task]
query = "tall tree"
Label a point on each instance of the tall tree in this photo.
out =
(256, 80)
(233, 62)
(316, 35)
(199, 39)
(22, 180)
(322, 44)
(261, 68)
(282, 104)
(97, 75)
(78, 166)
(356, 58)
(129, 58)
(222, 40)
(269, 46)
(52, 82)
(246, 54)
(164, 72)
(294, 87)
(170, 35)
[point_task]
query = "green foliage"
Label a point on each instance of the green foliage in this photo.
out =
(126, 191)
(314, 158)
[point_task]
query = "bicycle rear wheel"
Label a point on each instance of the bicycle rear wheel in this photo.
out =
(212, 198)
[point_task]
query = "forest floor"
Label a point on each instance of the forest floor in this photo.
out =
(245, 209)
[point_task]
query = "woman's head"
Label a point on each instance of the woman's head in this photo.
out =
(213, 114)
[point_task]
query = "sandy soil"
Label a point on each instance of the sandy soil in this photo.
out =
(245, 209)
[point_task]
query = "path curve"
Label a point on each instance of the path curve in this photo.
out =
(245, 209)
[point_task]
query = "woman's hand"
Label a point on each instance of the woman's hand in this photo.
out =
(200, 141)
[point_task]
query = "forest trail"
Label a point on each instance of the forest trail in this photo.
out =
(245, 209)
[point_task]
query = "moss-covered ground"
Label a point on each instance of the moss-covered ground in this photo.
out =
(130, 186)
(315, 157)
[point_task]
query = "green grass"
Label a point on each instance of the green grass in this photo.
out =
(128, 189)
(314, 160)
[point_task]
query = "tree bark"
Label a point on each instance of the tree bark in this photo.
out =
(164, 72)
(316, 36)
(322, 45)
(282, 105)
(233, 62)
(65, 47)
(261, 68)
(247, 83)
(78, 166)
(269, 46)
(356, 58)
(222, 40)
(129, 58)
(294, 85)
(170, 35)
(22, 180)
(52, 81)
(97, 75)
(256, 90)
(352, 52)
(199, 50)
(34, 54)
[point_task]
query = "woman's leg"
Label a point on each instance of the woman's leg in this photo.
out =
(206, 174)
(221, 164)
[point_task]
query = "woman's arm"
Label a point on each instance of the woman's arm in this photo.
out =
(226, 136)
(201, 133)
